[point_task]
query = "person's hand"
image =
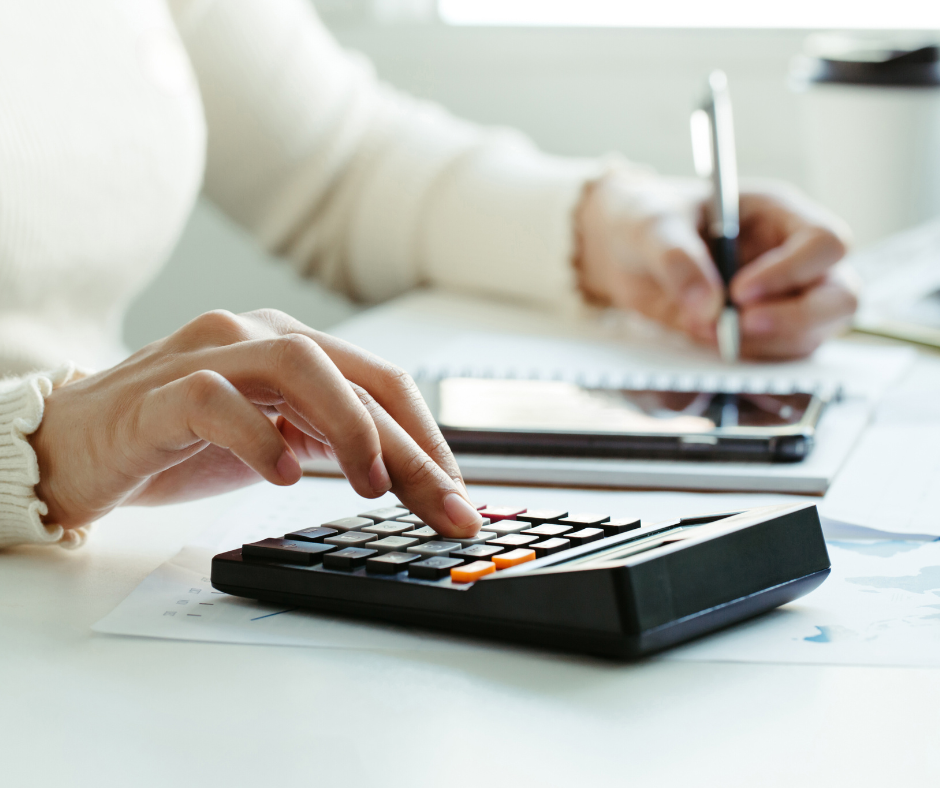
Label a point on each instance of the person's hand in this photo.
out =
(641, 248)
(231, 398)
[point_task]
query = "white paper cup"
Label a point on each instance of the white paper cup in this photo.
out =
(872, 140)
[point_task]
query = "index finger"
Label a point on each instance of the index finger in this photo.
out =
(803, 258)
(392, 388)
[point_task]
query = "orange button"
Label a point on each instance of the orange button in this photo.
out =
(512, 558)
(470, 572)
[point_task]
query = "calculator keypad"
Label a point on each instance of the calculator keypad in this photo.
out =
(392, 541)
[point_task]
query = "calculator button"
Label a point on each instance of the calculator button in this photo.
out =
(512, 540)
(550, 546)
(584, 536)
(504, 527)
(433, 568)
(286, 551)
(513, 558)
(480, 506)
(548, 529)
(470, 572)
(390, 563)
(311, 534)
(388, 528)
(347, 559)
(475, 552)
(348, 523)
(429, 549)
(495, 513)
(350, 539)
(584, 519)
(425, 534)
(412, 519)
(539, 516)
(620, 525)
(385, 513)
(480, 537)
(391, 544)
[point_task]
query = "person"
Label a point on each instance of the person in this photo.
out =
(115, 115)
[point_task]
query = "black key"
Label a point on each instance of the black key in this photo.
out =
(584, 519)
(286, 551)
(620, 525)
(429, 549)
(584, 536)
(549, 546)
(351, 539)
(512, 540)
(702, 519)
(433, 568)
(390, 563)
(392, 544)
(503, 527)
(311, 534)
(348, 523)
(477, 552)
(385, 513)
(548, 529)
(347, 559)
(539, 516)
(388, 528)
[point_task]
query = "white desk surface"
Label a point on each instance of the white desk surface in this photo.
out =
(81, 709)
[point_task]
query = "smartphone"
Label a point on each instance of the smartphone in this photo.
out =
(558, 418)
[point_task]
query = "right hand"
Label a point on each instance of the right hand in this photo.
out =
(231, 398)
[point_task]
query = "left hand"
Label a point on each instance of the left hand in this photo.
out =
(642, 249)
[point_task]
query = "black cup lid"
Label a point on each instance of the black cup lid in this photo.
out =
(897, 67)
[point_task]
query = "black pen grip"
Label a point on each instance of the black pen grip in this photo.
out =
(725, 254)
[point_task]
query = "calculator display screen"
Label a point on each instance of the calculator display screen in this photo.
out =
(558, 406)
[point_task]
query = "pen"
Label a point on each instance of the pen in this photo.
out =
(713, 151)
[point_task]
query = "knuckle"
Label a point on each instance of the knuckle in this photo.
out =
(203, 387)
(295, 351)
(219, 327)
(399, 383)
(418, 470)
(272, 318)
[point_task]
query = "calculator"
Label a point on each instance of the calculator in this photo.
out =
(585, 582)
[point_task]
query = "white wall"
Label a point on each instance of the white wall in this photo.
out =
(580, 92)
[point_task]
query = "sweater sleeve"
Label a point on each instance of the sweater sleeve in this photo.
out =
(371, 190)
(22, 402)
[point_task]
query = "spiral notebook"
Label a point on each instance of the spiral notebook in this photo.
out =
(435, 335)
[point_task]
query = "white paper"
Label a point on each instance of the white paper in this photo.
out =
(891, 481)
(879, 606)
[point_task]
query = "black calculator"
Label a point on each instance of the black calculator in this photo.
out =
(582, 582)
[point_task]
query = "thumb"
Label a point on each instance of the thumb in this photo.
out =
(683, 267)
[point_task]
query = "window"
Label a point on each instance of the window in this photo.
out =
(812, 14)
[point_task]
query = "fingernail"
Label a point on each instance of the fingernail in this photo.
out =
(288, 467)
(378, 476)
(757, 323)
(461, 513)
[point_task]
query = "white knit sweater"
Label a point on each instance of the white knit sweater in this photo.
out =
(113, 115)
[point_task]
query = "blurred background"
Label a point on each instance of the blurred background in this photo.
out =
(584, 77)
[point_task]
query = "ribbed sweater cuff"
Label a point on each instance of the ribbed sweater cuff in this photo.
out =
(22, 401)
